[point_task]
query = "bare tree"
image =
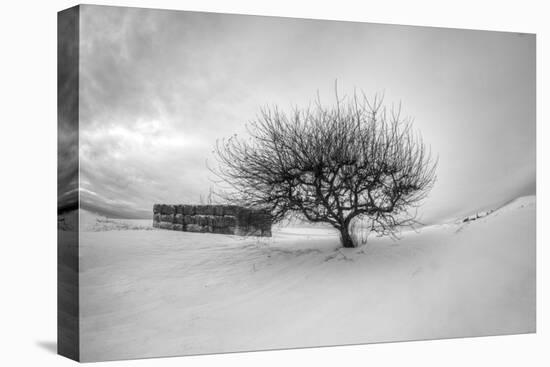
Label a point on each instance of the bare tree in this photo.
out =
(353, 160)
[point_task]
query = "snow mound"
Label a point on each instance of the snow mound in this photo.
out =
(519, 203)
(91, 222)
(151, 293)
(524, 202)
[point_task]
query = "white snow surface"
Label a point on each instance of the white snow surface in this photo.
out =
(149, 292)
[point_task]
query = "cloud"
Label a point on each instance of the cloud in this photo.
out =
(159, 87)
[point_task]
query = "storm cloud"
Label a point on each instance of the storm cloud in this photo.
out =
(158, 88)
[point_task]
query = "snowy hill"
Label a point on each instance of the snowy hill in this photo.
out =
(153, 292)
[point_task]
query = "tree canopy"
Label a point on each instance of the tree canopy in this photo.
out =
(354, 159)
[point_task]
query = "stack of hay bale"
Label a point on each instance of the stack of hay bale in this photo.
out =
(224, 219)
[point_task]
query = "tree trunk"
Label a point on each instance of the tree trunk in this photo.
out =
(345, 237)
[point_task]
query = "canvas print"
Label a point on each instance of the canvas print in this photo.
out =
(234, 183)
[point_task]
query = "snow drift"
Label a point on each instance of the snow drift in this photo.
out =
(147, 292)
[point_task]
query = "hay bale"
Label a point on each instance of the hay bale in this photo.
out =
(188, 209)
(201, 220)
(224, 230)
(243, 217)
(167, 209)
(188, 219)
(223, 219)
(229, 221)
(168, 218)
(232, 210)
(164, 225)
(218, 222)
(193, 228)
(204, 209)
(218, 210)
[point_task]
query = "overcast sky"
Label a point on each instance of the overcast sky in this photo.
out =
(157, 88)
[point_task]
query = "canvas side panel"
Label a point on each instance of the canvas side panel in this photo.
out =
(67, 183)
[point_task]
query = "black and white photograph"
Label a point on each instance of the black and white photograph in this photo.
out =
(232, 183)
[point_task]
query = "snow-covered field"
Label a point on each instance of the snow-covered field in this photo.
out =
(148, 292)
